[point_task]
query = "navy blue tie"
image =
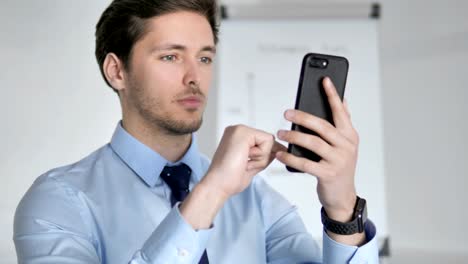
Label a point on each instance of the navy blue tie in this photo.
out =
(178, 179)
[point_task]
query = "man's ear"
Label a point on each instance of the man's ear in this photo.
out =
(113, 69)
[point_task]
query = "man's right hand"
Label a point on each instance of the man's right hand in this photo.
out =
(242, 153)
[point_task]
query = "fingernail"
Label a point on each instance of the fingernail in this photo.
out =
(289, 114)
(281, 133)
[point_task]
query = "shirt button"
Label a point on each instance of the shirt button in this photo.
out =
(183, 252)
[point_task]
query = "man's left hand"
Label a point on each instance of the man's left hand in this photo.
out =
(338, 147)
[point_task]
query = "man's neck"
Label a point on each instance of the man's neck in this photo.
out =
(171, 147)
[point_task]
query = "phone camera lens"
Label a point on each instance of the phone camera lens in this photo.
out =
(318, 63)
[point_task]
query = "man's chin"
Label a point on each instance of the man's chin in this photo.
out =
(179, 127)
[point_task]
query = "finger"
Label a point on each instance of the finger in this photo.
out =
(257, 164)
(320, 126)
(255, 152)
(301, 164)
(345, 103)
(350, 132)
(340, 118)
(310, 142)
(263, 140)
(260, 153)
(278, 147)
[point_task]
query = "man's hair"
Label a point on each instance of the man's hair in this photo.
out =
(123, 23)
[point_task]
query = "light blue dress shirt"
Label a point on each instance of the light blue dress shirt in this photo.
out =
(113, 207)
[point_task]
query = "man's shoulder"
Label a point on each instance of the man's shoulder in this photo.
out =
(54, 200)
(66, 181)
(80, 168)
(72, 178)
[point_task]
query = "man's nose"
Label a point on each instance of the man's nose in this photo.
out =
(192, 73)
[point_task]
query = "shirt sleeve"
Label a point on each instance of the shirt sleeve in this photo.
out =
(287, 239)
(334, 252)
(175, 241)
(51, 226)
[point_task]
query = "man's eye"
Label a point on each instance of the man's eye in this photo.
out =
(168, 58)
(206, 60)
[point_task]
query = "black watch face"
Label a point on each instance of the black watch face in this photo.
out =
(361, 210)
(364, 214)
(361, 205)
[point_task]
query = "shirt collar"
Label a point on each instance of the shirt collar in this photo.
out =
(147, 163)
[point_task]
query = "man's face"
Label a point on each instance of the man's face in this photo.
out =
(170, 73)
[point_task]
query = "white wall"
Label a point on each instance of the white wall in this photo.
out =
(49, 81)
(424, 48)
(55, 107)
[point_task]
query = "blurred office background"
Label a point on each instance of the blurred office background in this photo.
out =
(56, 109)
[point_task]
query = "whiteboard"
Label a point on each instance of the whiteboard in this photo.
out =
(258, 70)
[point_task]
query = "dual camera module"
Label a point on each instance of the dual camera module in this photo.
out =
(318, 63)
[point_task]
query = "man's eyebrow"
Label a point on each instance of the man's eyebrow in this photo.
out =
(211, 49)
(167, 47)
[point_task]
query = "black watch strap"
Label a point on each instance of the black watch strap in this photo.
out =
(356, 225)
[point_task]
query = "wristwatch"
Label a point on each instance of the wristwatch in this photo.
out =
(356, 225)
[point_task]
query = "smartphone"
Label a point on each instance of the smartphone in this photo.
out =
(311, 96)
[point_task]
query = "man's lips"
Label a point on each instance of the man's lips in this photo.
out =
(191, 101)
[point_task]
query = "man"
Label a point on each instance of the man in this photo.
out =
(149, 196)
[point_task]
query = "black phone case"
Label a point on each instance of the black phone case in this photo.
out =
(311, 96)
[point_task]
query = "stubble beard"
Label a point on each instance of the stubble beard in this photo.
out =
(170, 126)
(147, 108)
